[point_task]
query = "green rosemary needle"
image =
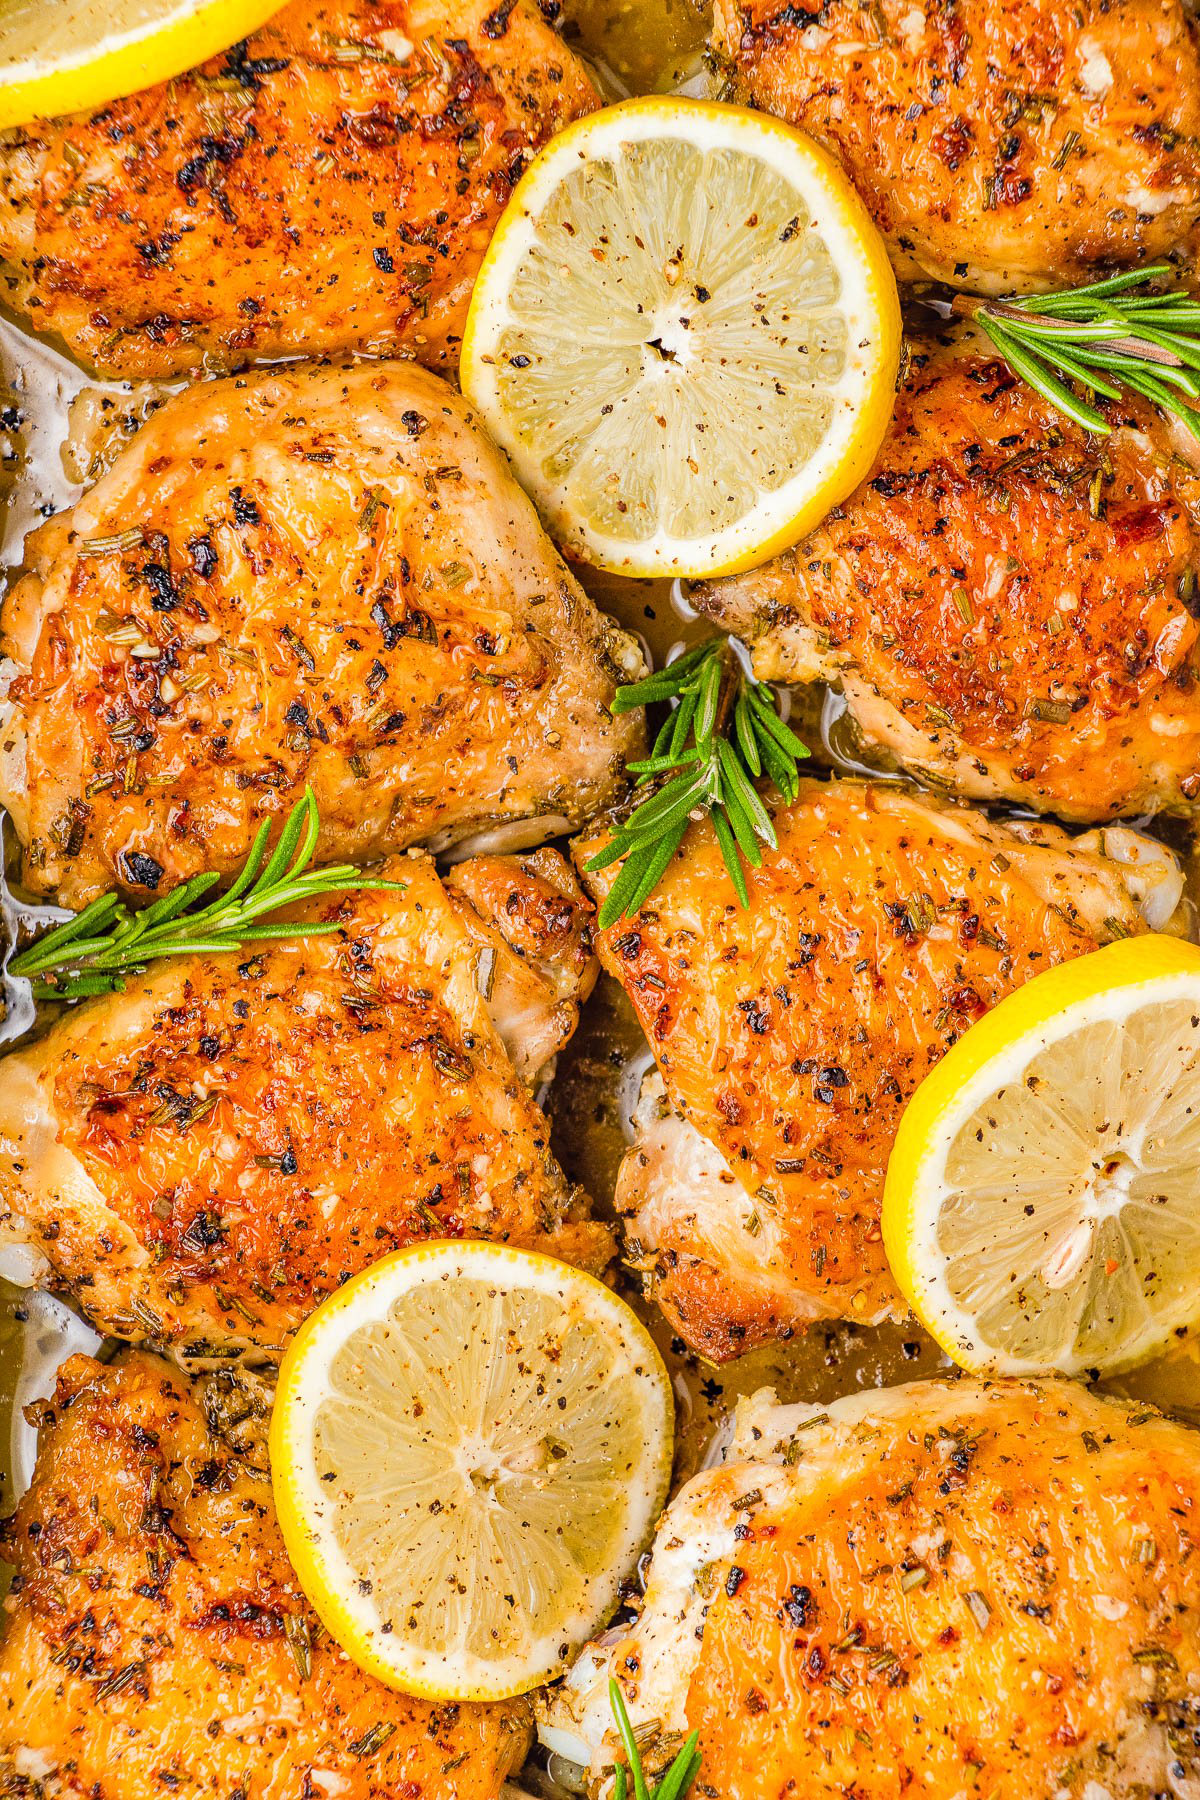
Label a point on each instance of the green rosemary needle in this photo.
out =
(93, 952)
(723, 731)
(673, 1784)
(1126, 334)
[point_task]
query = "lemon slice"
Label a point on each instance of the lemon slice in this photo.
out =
(469, 1447)
(685, 333)
(64, 56)
(1042, 1204)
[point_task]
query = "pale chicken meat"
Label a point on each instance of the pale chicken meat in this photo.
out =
(944, 1588)
(1009, 604)
(306, 576)
(158, 1642)
(329, 184)
(997, 143)
(789, 1037)
(202, 1158)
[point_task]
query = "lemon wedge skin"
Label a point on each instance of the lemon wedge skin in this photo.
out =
(1041, 1209)
(67, 56)
(470, 1446)
(685, 384)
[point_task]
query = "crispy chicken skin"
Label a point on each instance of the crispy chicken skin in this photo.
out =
(1010, 604)
(157, 1640)
(998, 143)
(790, 1037)
(328, 185)
(307, 575)
(944, 1588)
(537, 964)
(204, 1157)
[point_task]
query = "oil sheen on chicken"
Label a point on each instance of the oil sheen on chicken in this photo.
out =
(947, 1588)
(200, 1159)
(1010, 605)
(998, 143)
(311, 576)
(329, 184)
(157, 1640)
(790, 1037)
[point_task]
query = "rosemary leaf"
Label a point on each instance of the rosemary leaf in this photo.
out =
(1125, 334)
(723, 732)
(79, 958)
(673, 1784)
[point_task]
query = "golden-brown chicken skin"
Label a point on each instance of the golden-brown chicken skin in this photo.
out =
(945, 1588)
(1010, 604)
(306, 576)
(329, 184)
(789, 1037)
(997, 143)
(204, 1157)
(158, 1642)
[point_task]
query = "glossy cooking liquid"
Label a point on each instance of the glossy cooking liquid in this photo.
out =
(636, 46)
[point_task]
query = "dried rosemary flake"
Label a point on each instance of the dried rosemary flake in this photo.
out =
(978, 1606)
(485, 971)
(299, 1638)
(298, 648)
(1050, 712)
(108, 546)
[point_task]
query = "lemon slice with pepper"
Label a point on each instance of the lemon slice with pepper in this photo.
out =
(469, 1447)
(1042, 1204)
(685, 334)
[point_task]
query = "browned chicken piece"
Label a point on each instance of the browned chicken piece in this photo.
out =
(304, 576)
(158, 1642)
(947, 1588)
(789, 1037)
(536, 963)
(1010, 605)
(204, 1157)
(998, 143)
(329, 184)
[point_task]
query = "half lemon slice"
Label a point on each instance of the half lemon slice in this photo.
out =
(64, 56)
(685, 334)
(469, 1447)
(1042, 1204)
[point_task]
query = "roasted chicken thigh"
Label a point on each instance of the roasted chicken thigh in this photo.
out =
(329, 184)
(945, 1589)
(202, 1158)
(789, 1037)
(157, 1641)
(998, 143)
(1010, 605)
(306, 576)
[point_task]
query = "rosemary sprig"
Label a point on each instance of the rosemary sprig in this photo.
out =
(1125, 334)
(93, 952)
(723, 731)
(673, 1784)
